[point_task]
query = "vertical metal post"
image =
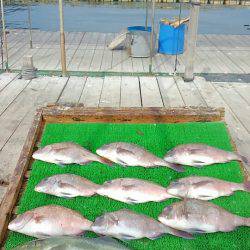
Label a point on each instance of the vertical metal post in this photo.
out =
(4, 38)
(29, 22)
(191, 40)
(152, 47)
(62, 39)
(146, 20)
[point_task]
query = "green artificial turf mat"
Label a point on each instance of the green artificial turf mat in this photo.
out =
(158, 138)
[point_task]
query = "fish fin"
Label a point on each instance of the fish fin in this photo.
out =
(61, 164)
(196, 230)
(121, 162)
(64, 185)
(244, 159)
(195, 150)
(66, 195)
(179, 233)
(84, 163)
(106, 161)
(207, 197)
(246, 222)
(124, 151)
(201, 183)
(127, 187)
(176, 167)
(156, 236)
(127, 237)
(246, 186)
(131, 201)
(198, 162)
(43, 235)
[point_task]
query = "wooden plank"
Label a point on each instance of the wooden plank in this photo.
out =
(9, 94)
(79, 113)
(130, 92)
(92, 92)
(111, 91)
(12, 193)
(236, 103)
(73, 90)
(117, 61)
(243, 89)
(16, 120)
(127, 65)
(3, 190)
(150, 92)
(6, 78)
(169, 91)
(189, 92)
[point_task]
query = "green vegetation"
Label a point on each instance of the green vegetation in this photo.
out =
(158, 138)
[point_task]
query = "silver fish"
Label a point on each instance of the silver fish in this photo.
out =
(131, 190)
(73, 243)
(199, 155)
(128, 225)
(128, 154)
(204, 188)
(67, 186)
(49, 221)
(197, 216)
(67, 153)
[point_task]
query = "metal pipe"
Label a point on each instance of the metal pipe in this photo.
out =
(4, 38)
(30, 28)
(146, 21)
(62, 39)
(152, 35)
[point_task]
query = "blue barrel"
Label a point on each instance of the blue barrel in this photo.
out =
(171, 40)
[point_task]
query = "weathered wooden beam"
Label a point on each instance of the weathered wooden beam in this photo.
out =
(191, 40)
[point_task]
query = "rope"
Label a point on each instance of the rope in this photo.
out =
(176, 55)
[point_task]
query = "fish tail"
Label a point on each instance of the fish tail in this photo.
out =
(175, 167)
(105, 161)
(179, 233)
(244, 159)
(246, 222)
(246, 186)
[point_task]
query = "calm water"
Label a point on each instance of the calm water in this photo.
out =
(114, 17)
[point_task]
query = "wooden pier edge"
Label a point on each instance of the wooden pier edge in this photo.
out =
(69, 113)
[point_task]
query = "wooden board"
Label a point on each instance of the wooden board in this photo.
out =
(79, 113)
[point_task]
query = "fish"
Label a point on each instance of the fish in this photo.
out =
(67, 186)
(125, 224)
(50, 221)
(129, 154)
(199, 155)
(64, 153)
(133, 191)
(73, 243)
(198, 216)
(204, 188)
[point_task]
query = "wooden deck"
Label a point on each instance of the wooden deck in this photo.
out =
(87, 51)
(19, 99)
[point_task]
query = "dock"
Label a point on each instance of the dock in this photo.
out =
(88, 52)
(20, 98)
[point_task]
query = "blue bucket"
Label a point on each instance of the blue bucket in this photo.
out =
(171, 40)
(139, 28)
